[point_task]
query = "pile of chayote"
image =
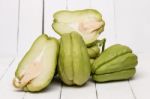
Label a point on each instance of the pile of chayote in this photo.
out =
(78, 54)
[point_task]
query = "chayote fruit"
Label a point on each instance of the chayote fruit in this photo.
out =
(37, 68)
(95, 50)
(115, 63)
(88, 23)
(92, 61)
(73, 63)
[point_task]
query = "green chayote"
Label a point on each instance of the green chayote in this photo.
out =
(92, 61)
(93, 51)
(115, 63)
(73, 63)
(97, 47)
(37, 68)
(88, 23)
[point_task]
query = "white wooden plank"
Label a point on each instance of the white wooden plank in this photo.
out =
(106, 8)
(52, 92)
(75, 92)
(8, 27)
(140, 83)
(7, 91)
(51, 6)
(114, 90)
(30, 24)
(78, 4)
(5, 64)
(132, 23)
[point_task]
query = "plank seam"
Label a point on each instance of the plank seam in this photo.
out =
(67, 5)
(24, 95)
(115, 21)
(43, 12)
(90, 3)
(17, 43)
(17, 50)
(133, 93)
(96, 91)
(61, 91)
(7, 68)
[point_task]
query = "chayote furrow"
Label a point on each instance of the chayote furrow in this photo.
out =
(115, 63)
(73, 64)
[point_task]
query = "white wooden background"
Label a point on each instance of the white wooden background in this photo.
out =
(127, 22)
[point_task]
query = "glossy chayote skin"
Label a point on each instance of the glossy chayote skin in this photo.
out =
(115, 63)
(73, 63)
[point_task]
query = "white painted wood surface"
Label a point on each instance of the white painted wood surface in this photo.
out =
(4, 64)
(114, 90)
(133, 23)
(127, 22)
(7, 91)
(86, 92)
(140, 83)
(30, 24)
(78, 4)
(8, 27)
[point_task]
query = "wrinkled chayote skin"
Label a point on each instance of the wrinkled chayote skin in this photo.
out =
(115, 63)
(73, 63)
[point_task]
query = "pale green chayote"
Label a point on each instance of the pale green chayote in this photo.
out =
(115, 63)
(36, 69)
(97, 48)
(73, 63)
